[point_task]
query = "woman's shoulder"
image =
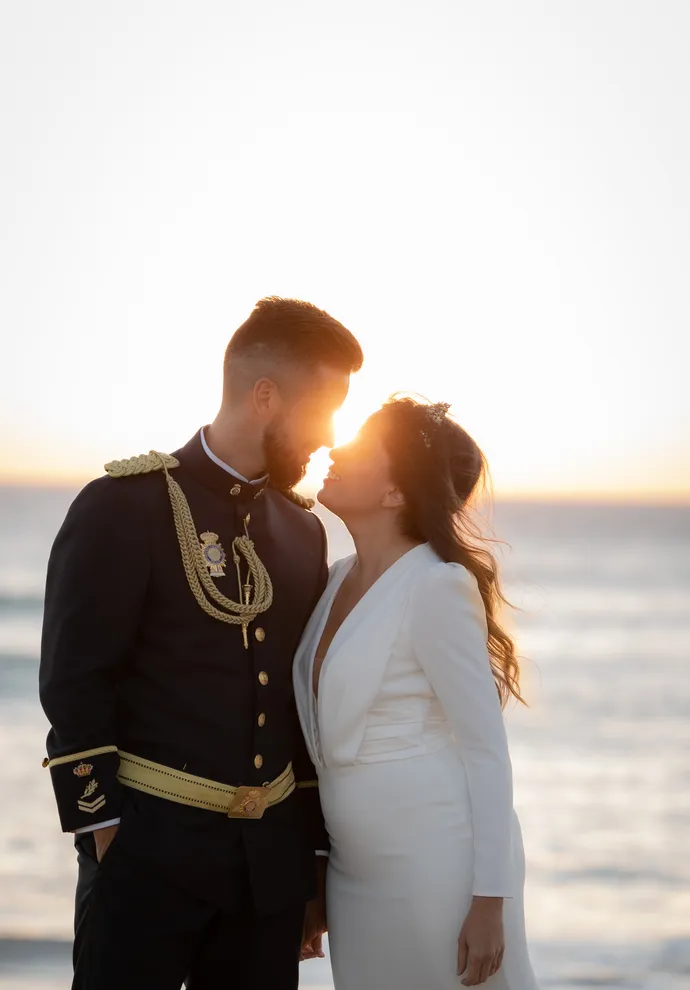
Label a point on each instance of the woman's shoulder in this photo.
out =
(440, 583)
(343, 564)
(434, 570)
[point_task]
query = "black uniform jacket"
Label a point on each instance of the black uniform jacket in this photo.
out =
(130, 660)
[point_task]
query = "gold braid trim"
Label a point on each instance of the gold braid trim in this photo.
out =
(301, 500)
(72, 757)
(143, 464)
(258, 587)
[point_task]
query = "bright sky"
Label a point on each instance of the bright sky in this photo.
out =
(494, 196)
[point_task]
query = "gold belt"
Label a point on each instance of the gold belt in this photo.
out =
(185, 788)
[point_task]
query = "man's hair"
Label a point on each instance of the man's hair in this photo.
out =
(294, 332)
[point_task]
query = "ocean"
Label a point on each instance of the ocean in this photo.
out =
(601, 756)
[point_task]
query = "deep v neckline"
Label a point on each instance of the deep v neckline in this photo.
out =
(340, 634)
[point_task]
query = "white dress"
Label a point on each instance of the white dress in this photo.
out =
(415, 779)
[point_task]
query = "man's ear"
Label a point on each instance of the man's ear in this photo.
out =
(266, 397)
(393, 499)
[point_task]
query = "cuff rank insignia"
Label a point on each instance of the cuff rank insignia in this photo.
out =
(80, 794)
(90, 807)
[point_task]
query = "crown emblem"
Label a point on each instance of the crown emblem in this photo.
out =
(83, 770)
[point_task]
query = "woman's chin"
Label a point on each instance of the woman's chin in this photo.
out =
(327, 497)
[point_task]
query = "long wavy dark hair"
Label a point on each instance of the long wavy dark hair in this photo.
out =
(441, 471)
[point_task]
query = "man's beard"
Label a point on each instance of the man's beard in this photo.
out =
(284, 467)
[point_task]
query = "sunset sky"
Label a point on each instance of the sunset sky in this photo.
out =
(493, 196)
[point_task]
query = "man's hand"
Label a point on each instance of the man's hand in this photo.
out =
(315, 922)
(481, 944)
(103, 837)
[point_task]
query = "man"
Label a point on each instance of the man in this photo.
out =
(177, 591)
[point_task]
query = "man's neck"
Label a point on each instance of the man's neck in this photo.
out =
(230, 442)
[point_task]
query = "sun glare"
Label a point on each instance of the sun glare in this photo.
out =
(347, 421)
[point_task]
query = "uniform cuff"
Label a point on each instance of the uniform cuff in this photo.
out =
(95, 828)
(86, 787)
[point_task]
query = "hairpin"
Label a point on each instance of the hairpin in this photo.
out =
(436, 413)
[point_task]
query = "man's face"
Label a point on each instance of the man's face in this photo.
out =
(303, 425)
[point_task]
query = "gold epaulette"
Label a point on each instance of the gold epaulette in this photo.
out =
(143, 464)
(301, 500)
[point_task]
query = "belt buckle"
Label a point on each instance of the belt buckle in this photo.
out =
(249, 802)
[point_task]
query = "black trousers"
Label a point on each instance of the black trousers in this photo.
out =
(137, 929)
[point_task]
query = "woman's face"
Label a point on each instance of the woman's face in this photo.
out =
(359, 482)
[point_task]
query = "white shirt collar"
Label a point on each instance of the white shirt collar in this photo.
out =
(226, 467)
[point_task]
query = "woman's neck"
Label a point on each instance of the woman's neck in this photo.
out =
(378, 547)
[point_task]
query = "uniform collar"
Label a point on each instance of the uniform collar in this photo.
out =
(226, 467)
(214, 474)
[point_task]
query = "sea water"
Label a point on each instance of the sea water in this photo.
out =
(601, 756)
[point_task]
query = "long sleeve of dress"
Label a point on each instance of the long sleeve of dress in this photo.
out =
(449, 635)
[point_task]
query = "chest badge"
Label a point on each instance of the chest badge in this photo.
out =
(213, 554)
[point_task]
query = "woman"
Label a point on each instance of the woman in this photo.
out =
(399, 680)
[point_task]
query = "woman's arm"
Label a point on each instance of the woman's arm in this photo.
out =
(448, 627)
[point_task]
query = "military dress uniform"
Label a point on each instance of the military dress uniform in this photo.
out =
(176, 596)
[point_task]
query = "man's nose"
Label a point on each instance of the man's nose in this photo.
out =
(328, 438)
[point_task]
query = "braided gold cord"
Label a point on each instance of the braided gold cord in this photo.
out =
(143, 464)
(292, 496)
(238, 613)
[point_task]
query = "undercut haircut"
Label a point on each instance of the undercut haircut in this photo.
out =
(290, 332)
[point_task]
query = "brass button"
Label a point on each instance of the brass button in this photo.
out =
(261, 720)
(236, 489)
(263, 678)
(260, 634)
(258, 761)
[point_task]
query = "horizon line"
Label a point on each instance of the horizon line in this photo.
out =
(677, 499)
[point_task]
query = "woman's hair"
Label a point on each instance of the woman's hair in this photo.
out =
(439, 470)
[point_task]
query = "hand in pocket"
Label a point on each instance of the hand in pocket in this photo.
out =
(103, 837)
